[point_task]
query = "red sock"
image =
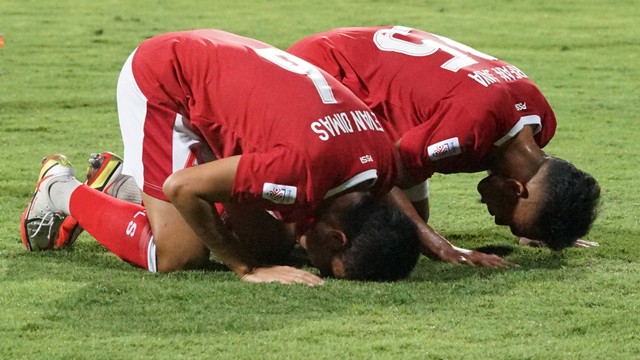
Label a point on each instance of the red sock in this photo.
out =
(122, 227)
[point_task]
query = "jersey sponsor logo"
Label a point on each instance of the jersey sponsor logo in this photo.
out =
(366, 159)
(521, 106)
(443, 149)
(279, 194)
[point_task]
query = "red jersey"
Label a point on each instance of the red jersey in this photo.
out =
(448, 104)
(302, 135)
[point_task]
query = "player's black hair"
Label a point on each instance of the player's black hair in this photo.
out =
(570, 206)
(384, 243)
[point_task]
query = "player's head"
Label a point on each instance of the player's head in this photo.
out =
(558, 205)
(356, 237)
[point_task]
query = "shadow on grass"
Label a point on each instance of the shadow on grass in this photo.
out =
(525, 258)
(91, 259)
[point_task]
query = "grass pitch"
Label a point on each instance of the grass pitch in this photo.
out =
(58, 71)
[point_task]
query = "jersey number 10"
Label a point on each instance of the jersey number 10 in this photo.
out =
(429, 44)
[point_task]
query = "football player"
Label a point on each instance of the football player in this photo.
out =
(453, 109)
(211, 117)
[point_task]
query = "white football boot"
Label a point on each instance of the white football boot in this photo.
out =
(41, 219)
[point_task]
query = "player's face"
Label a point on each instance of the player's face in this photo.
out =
(319, 257)
(499, 204)
(317, 241)
(325, 241)
(509, 206)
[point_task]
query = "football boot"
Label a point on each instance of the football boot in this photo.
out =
(41, 219)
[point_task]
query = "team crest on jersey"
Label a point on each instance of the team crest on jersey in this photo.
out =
(279, 194)
(443, 149)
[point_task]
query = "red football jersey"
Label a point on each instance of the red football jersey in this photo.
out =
(302, 135)
(448, 104)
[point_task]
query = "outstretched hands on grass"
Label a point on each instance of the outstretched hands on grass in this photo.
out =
(437, 247)
(537, 243)
(472, 257)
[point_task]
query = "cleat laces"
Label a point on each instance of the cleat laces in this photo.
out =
(47, 221)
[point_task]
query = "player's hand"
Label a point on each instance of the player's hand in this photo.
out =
(585, 243)
(523, 241)
(282, 274)
(486, 260)
(470, 257)
(537, 243)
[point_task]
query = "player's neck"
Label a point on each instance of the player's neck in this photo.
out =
(519, 158)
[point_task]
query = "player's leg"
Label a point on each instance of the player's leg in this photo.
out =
(122, 227)
(156, 237)
(263, 238)
(156, 143)
(107, 218)
(177, 246)
(104, 173)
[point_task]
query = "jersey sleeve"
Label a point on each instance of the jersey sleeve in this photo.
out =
(450, 141)
(275, 180)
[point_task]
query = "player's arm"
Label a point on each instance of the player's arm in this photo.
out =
(419, 197)
(422, 207)
(193, 191)
(436, 246)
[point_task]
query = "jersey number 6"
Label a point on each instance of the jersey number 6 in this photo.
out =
(299, 66)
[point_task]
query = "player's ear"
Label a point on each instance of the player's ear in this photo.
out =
(516, 188)
(337, 240)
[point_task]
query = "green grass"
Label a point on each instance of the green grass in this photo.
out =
(58, 70)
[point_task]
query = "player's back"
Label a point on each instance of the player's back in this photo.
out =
(406, 74)
(217, 79)
(243, 96)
